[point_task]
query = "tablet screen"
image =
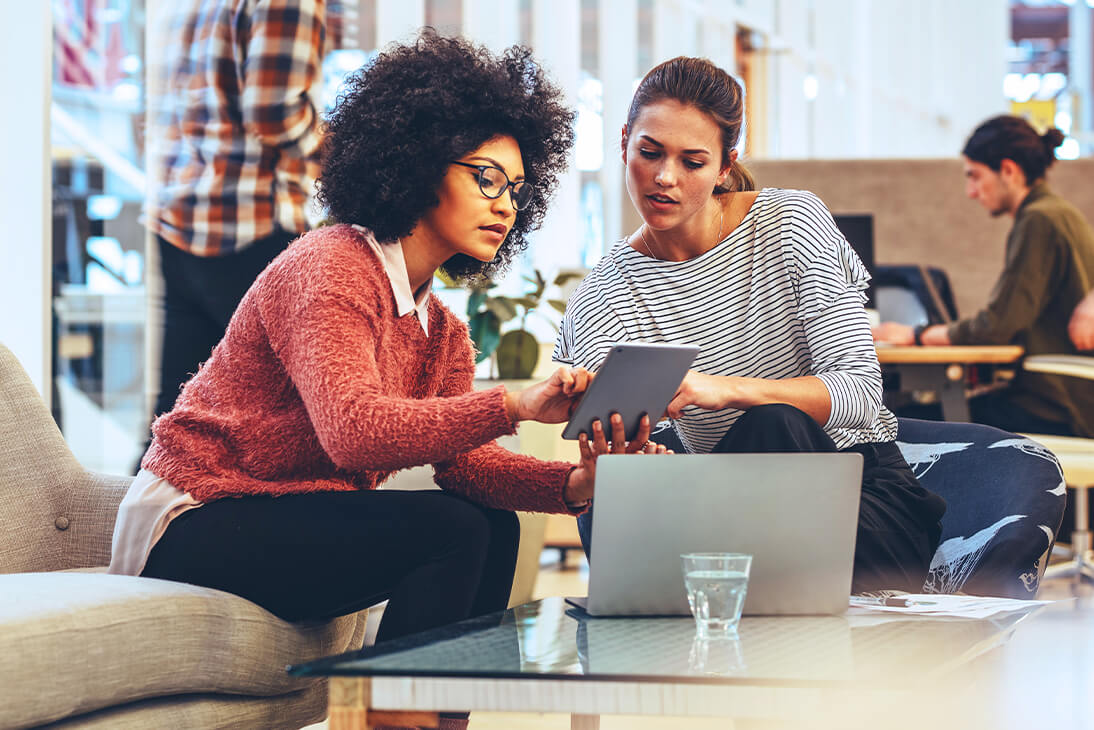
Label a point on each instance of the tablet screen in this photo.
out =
(635, 379)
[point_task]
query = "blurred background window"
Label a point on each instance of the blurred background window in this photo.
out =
(831, 79)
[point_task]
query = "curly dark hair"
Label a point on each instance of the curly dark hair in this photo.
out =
(403, 118)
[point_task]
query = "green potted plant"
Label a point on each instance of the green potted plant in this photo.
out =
(517, 351)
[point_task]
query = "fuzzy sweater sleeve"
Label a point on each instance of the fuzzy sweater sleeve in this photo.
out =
(494, 476)
(324, 315)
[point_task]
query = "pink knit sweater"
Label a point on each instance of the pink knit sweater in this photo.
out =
(318, 385)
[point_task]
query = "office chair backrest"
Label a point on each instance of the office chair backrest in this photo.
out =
(935, 299)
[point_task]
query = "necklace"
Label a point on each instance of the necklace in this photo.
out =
(646, 244)
(642, 234)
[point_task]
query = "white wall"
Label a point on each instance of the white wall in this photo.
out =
(893, 79)
(25, 205)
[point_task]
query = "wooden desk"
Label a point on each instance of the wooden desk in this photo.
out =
(944, 370)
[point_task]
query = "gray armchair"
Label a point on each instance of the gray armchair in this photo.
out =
(90, 650)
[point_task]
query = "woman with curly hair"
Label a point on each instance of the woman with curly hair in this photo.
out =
(340, 367)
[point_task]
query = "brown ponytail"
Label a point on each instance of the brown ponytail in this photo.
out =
(738, 180)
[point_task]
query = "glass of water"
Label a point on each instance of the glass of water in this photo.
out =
(716, 584)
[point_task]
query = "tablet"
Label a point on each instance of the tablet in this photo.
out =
(634, 379)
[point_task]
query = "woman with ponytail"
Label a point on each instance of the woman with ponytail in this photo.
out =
(1049, 268)
(765, 284)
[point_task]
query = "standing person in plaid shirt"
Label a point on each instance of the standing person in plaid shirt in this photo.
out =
(233, 156)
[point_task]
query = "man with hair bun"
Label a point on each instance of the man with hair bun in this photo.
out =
(1049, 269)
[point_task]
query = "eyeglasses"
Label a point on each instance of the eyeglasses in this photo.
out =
(493, 181)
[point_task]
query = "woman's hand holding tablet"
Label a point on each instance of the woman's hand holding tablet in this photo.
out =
(550, 401)
(635, 379)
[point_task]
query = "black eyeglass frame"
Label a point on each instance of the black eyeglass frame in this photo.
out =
(511, 185)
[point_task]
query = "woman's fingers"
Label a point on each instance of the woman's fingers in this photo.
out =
(642, 437)
(676, 406)
(581, 380)
(586, 448)
(574, 380)
(600, 441)
(619, 436)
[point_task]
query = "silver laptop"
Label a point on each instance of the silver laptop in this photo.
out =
(796, 514)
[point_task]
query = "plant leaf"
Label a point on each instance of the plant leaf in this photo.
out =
(448, 281)
(502, 307)
(485, 329)
(559, 304)
(474, 301)
(518, 353)
(528, 302)
(567, 276)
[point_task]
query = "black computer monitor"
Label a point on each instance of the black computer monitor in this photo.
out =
(858, 229)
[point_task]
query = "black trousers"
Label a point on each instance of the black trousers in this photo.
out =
(201, 294)
(997, 409)
(994, 408)
(898, 525)
(435, 557)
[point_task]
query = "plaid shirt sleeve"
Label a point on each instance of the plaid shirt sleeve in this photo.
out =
(235, 149)
(284, 60)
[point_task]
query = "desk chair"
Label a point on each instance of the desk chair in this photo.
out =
(1076, 457)
(913, 295)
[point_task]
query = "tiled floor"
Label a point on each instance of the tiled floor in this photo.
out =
(1042, 678)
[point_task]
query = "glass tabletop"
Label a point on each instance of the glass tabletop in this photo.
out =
(550, 639)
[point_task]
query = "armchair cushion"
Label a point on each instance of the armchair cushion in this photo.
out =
(62, 632)
(1005, 500)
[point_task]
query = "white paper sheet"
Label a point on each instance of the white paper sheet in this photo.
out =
(944, 605)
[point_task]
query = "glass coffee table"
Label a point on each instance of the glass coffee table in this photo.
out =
(548, 656)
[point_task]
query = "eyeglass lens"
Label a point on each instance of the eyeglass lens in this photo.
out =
(493, 182)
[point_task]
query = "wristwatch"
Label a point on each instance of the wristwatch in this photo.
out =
(917, 333)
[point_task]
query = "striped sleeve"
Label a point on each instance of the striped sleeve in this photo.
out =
(565, 342)
(830, 282)
(845, 361)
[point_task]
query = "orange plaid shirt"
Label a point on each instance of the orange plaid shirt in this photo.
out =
(233, 152)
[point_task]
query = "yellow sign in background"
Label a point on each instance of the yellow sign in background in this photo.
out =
(1040, 113)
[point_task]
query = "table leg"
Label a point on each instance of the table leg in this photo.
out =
(584, 722)
(955, 405)
(350, 699)
(947, 381)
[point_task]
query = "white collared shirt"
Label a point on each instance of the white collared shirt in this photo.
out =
(406, 300)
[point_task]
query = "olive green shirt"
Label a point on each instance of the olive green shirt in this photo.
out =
(1049, 269)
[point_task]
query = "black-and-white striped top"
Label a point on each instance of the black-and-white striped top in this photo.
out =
(780, 297)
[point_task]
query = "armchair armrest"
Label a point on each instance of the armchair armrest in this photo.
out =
(1076, 366)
